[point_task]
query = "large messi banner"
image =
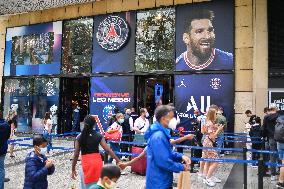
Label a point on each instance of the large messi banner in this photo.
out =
(200, 91)
(108, 93)
(204, 36)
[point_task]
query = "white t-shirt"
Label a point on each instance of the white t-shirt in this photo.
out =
(141, 124)
(48, 123)
(116, 126)
(131, 123)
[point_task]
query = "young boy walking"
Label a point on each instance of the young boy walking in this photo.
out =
(37, 165)
(109, 176)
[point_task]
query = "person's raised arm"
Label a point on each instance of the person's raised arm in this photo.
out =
(181, 139)
(215, 134)
(134, 160)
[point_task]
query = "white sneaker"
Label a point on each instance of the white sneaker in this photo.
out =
(123, 173)
(216, 180)
(210, 182)
(273, 178)
(200, 176)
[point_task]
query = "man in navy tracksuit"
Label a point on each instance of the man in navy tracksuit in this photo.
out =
(162, 161)
(4, 136)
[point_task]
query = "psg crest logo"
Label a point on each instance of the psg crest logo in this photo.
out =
(215, 83)
(108, 112)
(112, 33)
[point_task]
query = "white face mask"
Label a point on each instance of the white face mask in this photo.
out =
(111, 185)
(173, 124)
(147, 114)
(43, 151)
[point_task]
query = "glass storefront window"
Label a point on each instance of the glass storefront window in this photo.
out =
(45, 99)
(17, 94)
(31, 99)
(77, 46)
(155, 39)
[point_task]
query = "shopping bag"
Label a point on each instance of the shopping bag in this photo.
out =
(115, 136)
(184, 180)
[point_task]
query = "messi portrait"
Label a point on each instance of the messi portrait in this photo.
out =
(205, 36)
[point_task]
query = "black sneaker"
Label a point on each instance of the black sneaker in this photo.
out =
(6, 180)
(280, 185)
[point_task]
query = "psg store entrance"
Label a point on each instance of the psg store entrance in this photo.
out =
(74, 103)
(153, 90)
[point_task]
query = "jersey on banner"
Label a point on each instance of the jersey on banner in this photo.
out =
(108, 93)
(194, 92)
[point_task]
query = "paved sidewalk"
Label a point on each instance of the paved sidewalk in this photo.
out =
(61, 177)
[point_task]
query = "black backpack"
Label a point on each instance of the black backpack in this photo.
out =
(279, 129)
(255, 131)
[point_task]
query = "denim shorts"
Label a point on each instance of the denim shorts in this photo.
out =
(280, 148)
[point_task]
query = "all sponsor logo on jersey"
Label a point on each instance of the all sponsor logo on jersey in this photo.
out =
(112, 33)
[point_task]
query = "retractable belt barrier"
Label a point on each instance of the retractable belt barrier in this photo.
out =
(260, 163)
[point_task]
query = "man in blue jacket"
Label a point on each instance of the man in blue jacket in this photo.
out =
(161, 160)
(4, 136)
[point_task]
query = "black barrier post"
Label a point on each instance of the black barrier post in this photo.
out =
(260, 173)
(245, 168)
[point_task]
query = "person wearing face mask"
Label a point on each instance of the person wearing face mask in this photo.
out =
(116, 127)
(162, 161)
(109, 176)
(37, 165)
(141, 124)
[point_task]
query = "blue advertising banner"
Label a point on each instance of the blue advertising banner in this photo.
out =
(205, 36)
(33, 50)
(114, 42)
(108, 93)
(199, 92)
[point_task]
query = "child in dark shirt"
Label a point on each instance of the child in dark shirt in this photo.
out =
(109, 176)
(37, 165)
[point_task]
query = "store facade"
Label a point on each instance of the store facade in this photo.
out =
(183, 53)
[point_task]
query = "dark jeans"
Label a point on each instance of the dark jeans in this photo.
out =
(48, 137)
(126, 147)
(256, 146)
(115, 148)
(2, 171)
(273, 157)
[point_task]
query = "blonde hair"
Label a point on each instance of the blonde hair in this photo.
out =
(211, 115)
(118, 115)
(11, 115)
